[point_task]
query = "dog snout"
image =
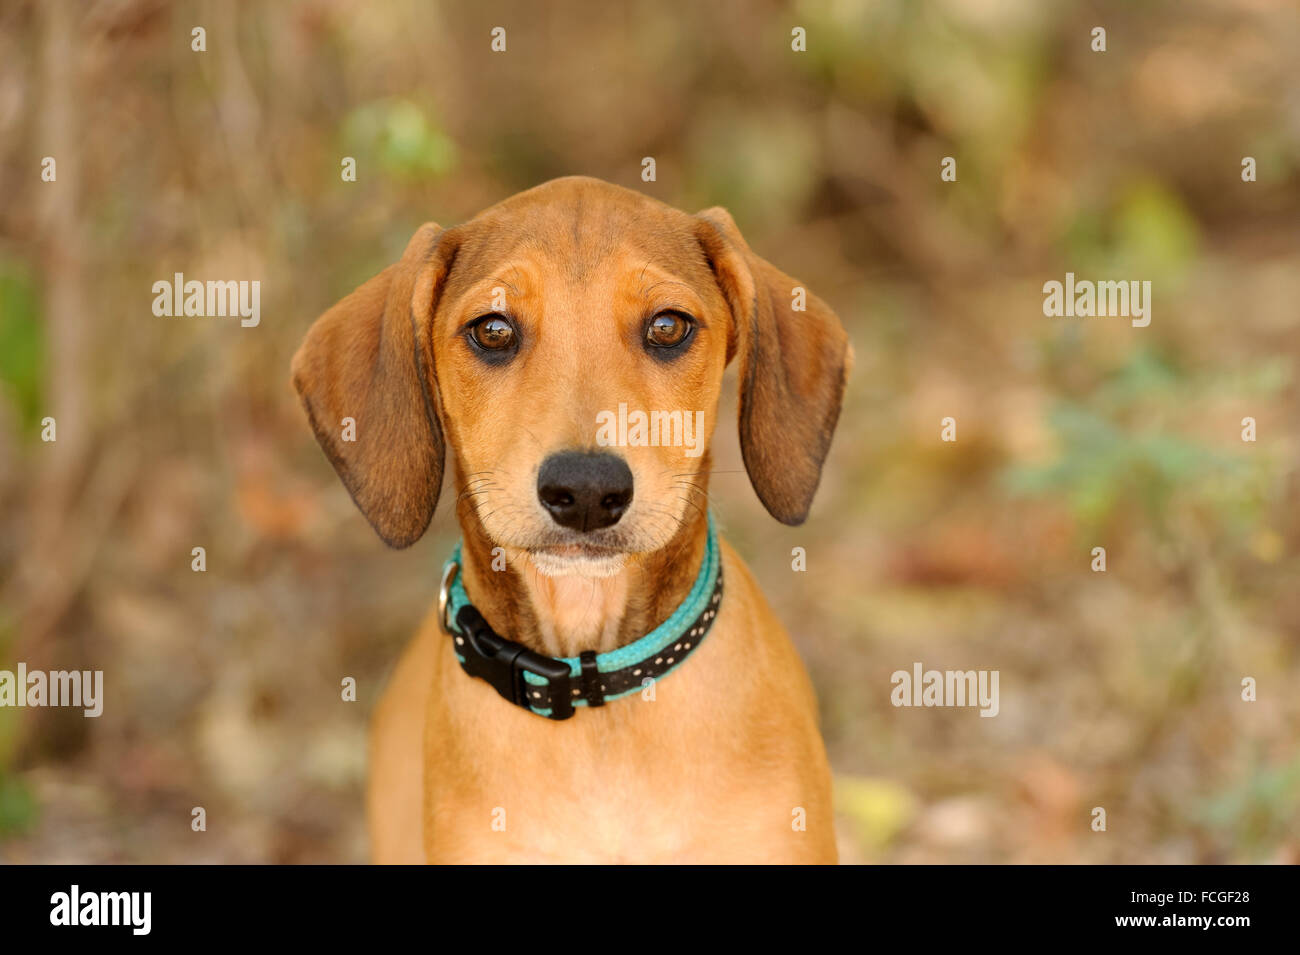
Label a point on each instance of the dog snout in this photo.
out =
(585, 490)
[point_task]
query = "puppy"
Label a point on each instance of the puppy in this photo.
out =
(603, 680)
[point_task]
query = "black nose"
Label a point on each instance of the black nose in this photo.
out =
(585, 490)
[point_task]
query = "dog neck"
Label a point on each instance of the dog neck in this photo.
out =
(564, 616)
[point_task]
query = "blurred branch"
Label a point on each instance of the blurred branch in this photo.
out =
(62, 252)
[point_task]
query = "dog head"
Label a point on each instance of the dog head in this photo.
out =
(569, 345)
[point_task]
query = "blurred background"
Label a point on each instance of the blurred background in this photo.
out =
(1119, 689)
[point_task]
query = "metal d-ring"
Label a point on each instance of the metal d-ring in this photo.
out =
(444, 594)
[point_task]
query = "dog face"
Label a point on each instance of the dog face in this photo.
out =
(569, 344)
(590, 314)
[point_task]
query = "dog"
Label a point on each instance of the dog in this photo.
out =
(558, 705)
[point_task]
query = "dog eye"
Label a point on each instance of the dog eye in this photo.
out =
(667, 329)
(493, 333)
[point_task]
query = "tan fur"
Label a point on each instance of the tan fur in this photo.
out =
(727, 755)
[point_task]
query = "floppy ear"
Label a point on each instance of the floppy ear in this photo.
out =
(793, 366)
(370, 358)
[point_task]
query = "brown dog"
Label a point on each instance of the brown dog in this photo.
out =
(511, 338)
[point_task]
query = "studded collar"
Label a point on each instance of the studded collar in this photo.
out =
(553, 686)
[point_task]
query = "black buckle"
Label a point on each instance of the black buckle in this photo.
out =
(502, 663)
(591, 690)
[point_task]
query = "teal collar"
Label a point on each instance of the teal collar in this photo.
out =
(553, 686)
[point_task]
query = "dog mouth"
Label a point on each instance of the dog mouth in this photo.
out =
(604, 552)
(581, 552)
(578, 559)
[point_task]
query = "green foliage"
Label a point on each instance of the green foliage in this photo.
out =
(878, 809)
(17, 805)
(762, 169)
(1146, 234)
(402, 137)
(22, 344)
(1256, 814)
(1117, 447)
(1155, 236)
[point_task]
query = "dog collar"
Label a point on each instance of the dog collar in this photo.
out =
(553, 686)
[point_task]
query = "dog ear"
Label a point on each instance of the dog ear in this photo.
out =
(370, 359)
(793, 367)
